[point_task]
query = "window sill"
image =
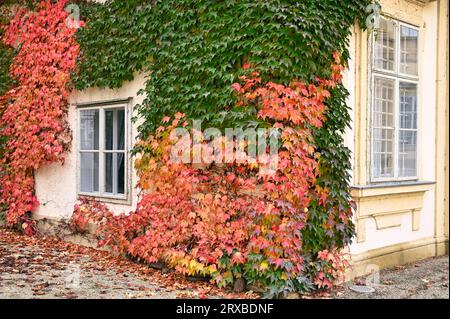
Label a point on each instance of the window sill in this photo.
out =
(108, 200)
(391, 188)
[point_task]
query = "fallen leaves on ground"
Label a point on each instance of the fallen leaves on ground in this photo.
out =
(29, 256)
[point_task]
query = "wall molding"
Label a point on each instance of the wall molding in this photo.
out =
(388, 204)
(394, 255)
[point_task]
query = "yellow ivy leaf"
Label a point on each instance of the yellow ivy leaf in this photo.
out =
(264, 265)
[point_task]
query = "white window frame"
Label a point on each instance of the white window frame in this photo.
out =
(102, 107)
(398, 77)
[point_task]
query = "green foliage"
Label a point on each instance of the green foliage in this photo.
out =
(115, 42)
(6, 54)
(335, 171)
(5, 61)
(193, 49)
(202, 45)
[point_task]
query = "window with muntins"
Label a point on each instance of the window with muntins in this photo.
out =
(394, 101)
(102, 151)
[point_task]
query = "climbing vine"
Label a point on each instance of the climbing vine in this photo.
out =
(6, 56)
(33, 113)
(194, 51)
(230, 221)
(123, 47)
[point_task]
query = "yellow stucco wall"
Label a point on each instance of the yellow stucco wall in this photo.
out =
(442, 122)
(404, 222)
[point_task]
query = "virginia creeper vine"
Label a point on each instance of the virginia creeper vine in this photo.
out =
(228, 221)
(33, 119)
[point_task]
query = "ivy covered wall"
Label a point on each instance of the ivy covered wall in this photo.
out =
(193, 51)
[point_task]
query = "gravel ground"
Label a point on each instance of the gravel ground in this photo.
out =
(48, 268)
(426, 279)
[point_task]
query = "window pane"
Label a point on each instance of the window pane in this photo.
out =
(407, 153)
(115, 173)
(383, 112)
(384, 50)
(121, 173)
(408, 105)
(407, 142)
(120, 129)
(109, 129)
(383, 128)
(109, 173)
(89, 172)
(115, 129)
(383, 142)
(409, 43)
(89, 129)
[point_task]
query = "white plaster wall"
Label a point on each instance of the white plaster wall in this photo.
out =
(56, 185)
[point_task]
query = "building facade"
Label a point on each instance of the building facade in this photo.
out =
(398, 84)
